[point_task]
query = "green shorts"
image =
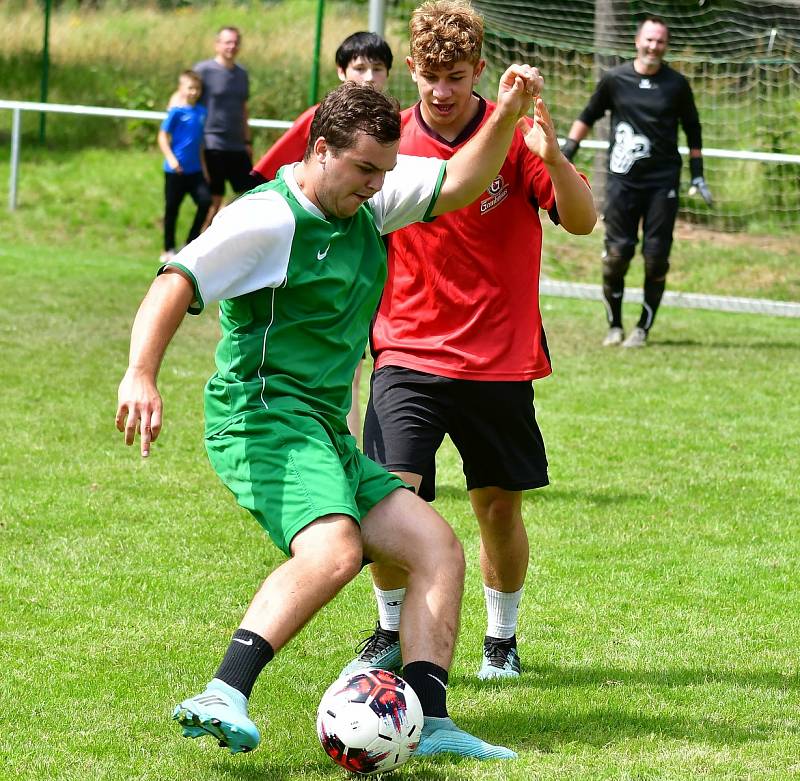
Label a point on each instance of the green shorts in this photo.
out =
(288, 469)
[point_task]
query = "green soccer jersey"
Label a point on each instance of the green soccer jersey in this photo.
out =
(297, 291)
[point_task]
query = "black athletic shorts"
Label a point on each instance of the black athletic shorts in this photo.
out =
(492, 424)
(233, 167)
(654, 207)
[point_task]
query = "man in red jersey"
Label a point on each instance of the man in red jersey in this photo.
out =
(458, 335)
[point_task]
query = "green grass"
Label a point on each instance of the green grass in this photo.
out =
(104, 197)
(130, 57)
(658, 631)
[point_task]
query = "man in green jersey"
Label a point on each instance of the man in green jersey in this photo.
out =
(298, 266)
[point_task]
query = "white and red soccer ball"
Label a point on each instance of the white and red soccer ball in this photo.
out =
(369, 721)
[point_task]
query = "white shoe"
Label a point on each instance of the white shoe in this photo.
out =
(614, 337)
(638, 338)
(166, 256)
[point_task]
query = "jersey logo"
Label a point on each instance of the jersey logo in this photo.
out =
(629, 147)
(322, 255)
(646, 84)
(498, 192)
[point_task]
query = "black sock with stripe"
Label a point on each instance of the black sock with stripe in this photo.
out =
(429, 682)
(244, 660)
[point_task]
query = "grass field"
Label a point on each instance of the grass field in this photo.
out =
(658, 631)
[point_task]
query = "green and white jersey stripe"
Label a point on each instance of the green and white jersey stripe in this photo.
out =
(297, 291)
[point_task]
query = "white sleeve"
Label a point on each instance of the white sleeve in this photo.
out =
(409, 192)
(246, 248)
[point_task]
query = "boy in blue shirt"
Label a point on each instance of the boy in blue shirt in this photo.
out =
(180, 138)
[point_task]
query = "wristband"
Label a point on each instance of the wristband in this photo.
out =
(696, 167)
(569, 148)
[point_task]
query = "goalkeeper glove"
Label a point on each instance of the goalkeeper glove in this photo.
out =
(569, 148)
(698, 182)
(699, 186)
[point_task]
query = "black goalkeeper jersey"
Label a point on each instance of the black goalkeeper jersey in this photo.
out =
(645, 112)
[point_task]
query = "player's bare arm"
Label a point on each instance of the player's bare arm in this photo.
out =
(574, 200)
(473, 167)
(139, 406)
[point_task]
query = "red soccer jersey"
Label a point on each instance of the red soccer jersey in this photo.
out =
(462, 296)
(289, 148)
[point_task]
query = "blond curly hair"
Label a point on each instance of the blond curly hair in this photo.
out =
(444, 32)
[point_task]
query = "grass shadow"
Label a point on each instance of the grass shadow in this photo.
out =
(745, 344)
(325, 768)
(556, 724)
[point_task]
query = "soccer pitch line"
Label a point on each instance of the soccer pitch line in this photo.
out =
(761, 306)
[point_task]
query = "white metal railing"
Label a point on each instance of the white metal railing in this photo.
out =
(18, 106)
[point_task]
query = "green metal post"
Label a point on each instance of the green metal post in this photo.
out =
(45, 67)
(313, 88)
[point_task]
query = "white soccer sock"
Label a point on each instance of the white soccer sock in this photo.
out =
(389, 604)
(502, 609)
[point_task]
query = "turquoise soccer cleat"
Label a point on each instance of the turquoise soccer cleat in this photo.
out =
(500, 659)
(381, 650)
(221, 712)
(441, 736)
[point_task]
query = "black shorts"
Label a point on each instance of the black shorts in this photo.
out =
(654, 207)
(492, 425)
(233, 167)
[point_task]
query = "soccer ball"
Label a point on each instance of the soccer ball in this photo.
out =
(369, 721)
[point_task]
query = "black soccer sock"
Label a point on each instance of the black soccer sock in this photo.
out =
(653, 292)
(613, 300)
(429, 682)
(245, 659)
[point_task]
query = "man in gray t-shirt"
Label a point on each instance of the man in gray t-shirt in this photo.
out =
(226, 90)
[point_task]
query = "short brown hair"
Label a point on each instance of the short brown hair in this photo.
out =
(351, 109)
(191, 76)
(444, 32)
(231, 29)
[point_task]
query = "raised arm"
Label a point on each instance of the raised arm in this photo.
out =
(472, 168)
(139, 405)
(574, 199)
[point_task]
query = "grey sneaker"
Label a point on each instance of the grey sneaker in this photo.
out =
(637, 338)
(614, 337)
(500, 659)
(381, 650)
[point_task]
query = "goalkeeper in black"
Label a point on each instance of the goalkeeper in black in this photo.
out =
(647, 99)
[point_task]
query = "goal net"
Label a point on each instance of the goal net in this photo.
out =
(741, 57)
